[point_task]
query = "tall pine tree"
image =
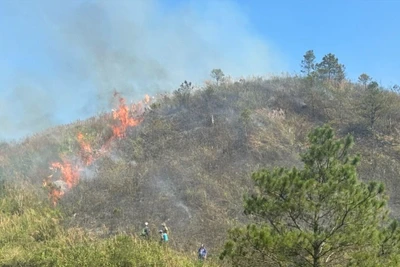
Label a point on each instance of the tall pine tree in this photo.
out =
(320, 215)
(308, 62)
(330, 68)
(372, 103)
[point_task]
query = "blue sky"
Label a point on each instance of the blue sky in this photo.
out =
(60, 60)
(363, 34)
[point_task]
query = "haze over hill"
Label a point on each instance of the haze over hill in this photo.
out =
(79, 52)
(185, 159)
(69, 56)
(78, 192)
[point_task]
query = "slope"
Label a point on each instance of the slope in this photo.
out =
(188, 161)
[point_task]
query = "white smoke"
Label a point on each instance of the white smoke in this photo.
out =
(91, 48)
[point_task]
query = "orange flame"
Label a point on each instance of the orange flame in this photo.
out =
(55, 192)
(122, 114)
(86, 150)
(69, 173)
(69, 176)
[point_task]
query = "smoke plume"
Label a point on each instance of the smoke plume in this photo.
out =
(72, 55)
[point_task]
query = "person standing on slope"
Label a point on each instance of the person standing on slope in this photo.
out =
(146, 231)
(202, 252)
(165, 228)
(164, 236)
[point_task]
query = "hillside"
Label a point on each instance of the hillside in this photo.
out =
(186, 159)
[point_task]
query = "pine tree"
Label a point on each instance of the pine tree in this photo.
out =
(183, 93)
(372, 104)
(364, 79)
(218, 75)
(308, 63)
(320, 215)
(330, 68)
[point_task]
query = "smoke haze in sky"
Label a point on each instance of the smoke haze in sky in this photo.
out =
(61, 60)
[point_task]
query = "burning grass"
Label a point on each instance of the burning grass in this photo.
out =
(186, 163)
(123, 118)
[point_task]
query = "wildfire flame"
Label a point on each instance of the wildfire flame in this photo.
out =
(69, 177)
(86, 150)
(55, 192)
(123, 115)
(70, 173)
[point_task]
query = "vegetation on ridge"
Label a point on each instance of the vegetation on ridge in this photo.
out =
(321, 215)
(188, 164)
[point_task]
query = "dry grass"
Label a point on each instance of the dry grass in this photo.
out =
(188, 164)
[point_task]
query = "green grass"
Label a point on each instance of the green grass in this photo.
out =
(31, 234)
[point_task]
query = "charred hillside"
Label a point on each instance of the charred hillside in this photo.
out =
(188, 159)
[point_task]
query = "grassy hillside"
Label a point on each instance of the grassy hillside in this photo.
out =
(31, 235)
(189, 159)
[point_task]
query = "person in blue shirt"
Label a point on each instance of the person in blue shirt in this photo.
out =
(164, 236)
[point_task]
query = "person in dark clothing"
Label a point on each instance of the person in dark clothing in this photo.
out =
(146, 231)
(202, 252)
